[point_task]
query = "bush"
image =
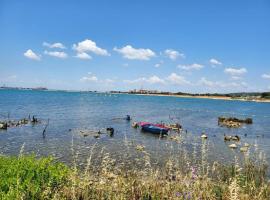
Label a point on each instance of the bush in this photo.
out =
(26, 177)
(266, 95)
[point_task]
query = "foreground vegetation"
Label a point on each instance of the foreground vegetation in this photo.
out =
(28, 177)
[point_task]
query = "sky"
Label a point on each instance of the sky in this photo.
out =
(177, 45)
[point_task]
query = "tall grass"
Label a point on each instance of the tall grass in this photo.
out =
(182, 177)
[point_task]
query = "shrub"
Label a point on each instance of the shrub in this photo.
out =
(26, 177)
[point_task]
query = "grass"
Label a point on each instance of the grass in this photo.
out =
(28, 177)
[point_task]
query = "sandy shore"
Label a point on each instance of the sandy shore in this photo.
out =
(209, 97)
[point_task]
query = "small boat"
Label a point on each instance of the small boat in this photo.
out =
(148, 123)
(154, 128)
(143, 123)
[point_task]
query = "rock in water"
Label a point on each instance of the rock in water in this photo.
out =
(204, 136)
(3, 126)
(233, 146)
(244, 149)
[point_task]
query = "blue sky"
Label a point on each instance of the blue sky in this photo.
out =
(188, 46)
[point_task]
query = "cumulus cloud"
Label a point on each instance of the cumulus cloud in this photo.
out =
(219, 84)
(154, 80)
(194, 66)
(206, 82)
(214, 62)
(138, 80)
(236, 78)
(266, 76)
(89, 78)
(173, 78)
(32, 55)
(83, 56)
(235, 71)
(108, 81)
(54, 45)
(135, 54)
(89, 46)
(151, 80)
(173, 54)
(57, 54)
(159, 64)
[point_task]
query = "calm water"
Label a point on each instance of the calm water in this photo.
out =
(81, 110)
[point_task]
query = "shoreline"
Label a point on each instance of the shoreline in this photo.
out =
(204, 97)
(258, 100)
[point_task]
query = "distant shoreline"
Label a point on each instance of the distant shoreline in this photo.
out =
(203, 97)
(219, 97)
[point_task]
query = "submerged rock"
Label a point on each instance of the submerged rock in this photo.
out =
(175, 127)
(233, 146)
(110, 130)
(244, 149)
(204, 136)
(246, 145)
(236, 138)
(96, 136)
(140, 147)
(13, 123)
(230, 137)
(227, 138)
(135, 125)
(232, 122)
(3, 125)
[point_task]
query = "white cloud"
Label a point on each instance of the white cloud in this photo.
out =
(58, 54)
(155, 79)
(90, 46)
(214, 62)
(235, 71)
(173, 78)
(159, 64)
(151, 80)
(31, 55)
(236, 78)
(194, 66)
(135, 54)
(266, 76)
(219, 84)
(12, 77)
(138, 80)
(173, 54)
(109, 81)
(54, 45)
(91, 78)
(83, 56)
(206, 82)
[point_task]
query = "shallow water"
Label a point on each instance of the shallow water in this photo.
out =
(94, 111)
